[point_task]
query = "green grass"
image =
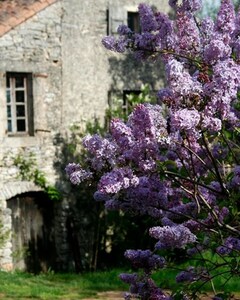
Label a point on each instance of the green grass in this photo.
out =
(223, 279)
(24, 286)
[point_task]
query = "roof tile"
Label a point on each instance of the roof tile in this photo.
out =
(14, 12)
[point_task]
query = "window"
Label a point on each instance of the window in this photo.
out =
(134, 21)
(119, 14)
(19, 103)
(127, 101)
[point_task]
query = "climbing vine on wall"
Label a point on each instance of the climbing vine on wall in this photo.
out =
(28, 170)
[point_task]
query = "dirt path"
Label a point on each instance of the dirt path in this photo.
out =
(120, 296)
(108, 296)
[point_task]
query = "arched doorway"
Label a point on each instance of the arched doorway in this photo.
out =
(33, 244)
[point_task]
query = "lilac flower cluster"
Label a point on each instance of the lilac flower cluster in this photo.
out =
(192, 274)
(114, 181)
(177, 236)
(187, 275)
(76, 173)
(169, 163)
(235, 182)
(229, 245)
(145, 259)
(143, 288)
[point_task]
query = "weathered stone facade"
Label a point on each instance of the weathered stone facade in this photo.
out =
(72, 78)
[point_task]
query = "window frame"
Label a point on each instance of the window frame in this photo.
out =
(12, 102)
(133, 21)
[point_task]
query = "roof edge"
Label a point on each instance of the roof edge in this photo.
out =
(24, 15)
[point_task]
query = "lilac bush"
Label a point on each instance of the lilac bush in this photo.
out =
(177, 161)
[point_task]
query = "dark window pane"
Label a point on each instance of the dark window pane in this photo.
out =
(9, 125)
(21, 125)
(20, 96)
(134, 21)
(20, 111)
(8, 95)
(9, 113)
(8, 82)
(19, 82)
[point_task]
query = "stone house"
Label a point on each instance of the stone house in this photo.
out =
(54, 73)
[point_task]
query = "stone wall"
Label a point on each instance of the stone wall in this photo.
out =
(90, 71)
(73, 76)
(34, 47)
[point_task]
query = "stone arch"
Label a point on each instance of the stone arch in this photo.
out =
(10, 189)
(31, 212)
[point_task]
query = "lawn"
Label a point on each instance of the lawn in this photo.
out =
(23, 286)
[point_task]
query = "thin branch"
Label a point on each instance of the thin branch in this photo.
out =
(192, 181)
(230, 148)
(219, 177)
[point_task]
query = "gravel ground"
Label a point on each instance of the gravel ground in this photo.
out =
(109, 296)
(120, 296)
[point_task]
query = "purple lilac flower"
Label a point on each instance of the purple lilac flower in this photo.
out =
(141, 122)
(146, 41)
(180, 81)
(117, 179)
(124, 29)
(200, 97)
(76, 173)
(147, 19)
(148, 197)
(178, 211)
(194, 250)
(187, 275)
(188, 33)
(187, 5)
(122, 134)
(230, 244)
(216, 50)
(128, 278)
(236, 170)
(193, 226)
(192, 5)
(222, 89)
(146, 289)
(173, 3)
(185, 119)
(221, 214)
(215, 185)
(172, 237)
(144, 259)
(109, 42)
(165, 36)
(166, 96)
(209, 196)
(117, 45)
(236, 48)
(207, 28)
(147, 165)
(211, 124)
(98, 196)
(235, 182)
(148, 127)
(219, 151)
(235, 36)
(102, 150)
(225, 21)
(223, 250)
